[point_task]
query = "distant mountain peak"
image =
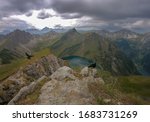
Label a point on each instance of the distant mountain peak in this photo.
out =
(18, 32)
(18, 36)
(92, 35)
(45, 29)
(128, 34)
(73, 30)
(125, 31)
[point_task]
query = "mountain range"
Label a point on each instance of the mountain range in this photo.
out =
(36, 31)
(121, 53)
(93, 46)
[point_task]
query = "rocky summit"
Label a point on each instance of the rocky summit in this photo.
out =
(62, 87)
(67, 88)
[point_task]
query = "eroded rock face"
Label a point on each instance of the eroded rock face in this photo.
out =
(26, 90)
(68, 87)
(8, 89)
(45, 66)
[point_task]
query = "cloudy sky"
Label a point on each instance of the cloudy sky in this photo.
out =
(82, 14)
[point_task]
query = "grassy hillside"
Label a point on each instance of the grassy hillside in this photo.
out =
(6, 56)
(135, 86)
(125, 89)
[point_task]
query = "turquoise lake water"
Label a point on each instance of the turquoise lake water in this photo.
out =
(77, 61)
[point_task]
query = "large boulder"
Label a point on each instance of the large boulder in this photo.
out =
(68, 87)
(85, 72)
(62, 73)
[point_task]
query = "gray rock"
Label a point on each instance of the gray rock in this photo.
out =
(35, 71)
(45, 66)
(107, 101)
(72, 92)
(85, 72)
(62, 73)
(66, 88)
(26, 90)
(23, 77)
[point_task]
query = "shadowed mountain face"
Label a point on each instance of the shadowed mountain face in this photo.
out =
(97, 48)
(138, 50)
(17, 37)
(12, 45)
(14, 39)
(146, 53)
(126, 34)
(1, 36)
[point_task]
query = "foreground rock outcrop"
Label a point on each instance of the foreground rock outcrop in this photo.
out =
(45, 66)
(48, 82)
(63, 87)
(25, 76)
(69, 87)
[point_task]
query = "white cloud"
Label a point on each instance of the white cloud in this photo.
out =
(53, 20)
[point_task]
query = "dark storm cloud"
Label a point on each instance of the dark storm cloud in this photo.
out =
(107, 14)
(15, 7)
(113, 13)
(71, 16)
(43, 15)
(104, 9)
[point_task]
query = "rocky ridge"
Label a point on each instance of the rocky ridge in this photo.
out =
(66, 88)
(28, 75)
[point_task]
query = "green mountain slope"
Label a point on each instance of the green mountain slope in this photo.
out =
(71, 39)
(12, 46)
(91, 45)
